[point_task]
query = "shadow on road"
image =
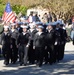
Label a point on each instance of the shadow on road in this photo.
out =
(66, 66)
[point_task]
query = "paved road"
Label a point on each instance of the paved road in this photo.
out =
(64, 67)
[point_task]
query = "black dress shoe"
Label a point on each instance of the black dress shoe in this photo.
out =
(21, 64)
(24, 64)
(40, 65)
(50, 63)
(13, 62)
(46, 63)
(6, 63)
(37, 64)
(32, 62)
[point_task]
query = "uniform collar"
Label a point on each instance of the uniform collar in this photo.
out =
(24, 33)
(49, 30)
(31, 30)
(40, 33)
(13, 30)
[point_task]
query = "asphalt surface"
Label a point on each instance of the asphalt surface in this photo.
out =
(64, 67)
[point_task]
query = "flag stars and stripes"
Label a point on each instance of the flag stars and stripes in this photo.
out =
(8, 15)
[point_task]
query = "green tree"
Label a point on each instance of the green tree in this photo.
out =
(19, 8)
(2, 7)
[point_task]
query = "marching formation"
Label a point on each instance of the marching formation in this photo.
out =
(33, 43)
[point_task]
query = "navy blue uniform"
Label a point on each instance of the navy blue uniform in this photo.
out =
(58, 40)
(23, 41)
(6, 46)
(14, 37)
(31, 52)
(63, 42)
(39, 43)
(50, 40)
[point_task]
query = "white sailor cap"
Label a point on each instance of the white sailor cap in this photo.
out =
(59, 22)
(41, 27)
(23, 26)
(54, 23)
(50, 23)
(6, 27)
(32, 24)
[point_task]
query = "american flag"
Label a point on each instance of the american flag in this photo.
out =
(8, 15)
